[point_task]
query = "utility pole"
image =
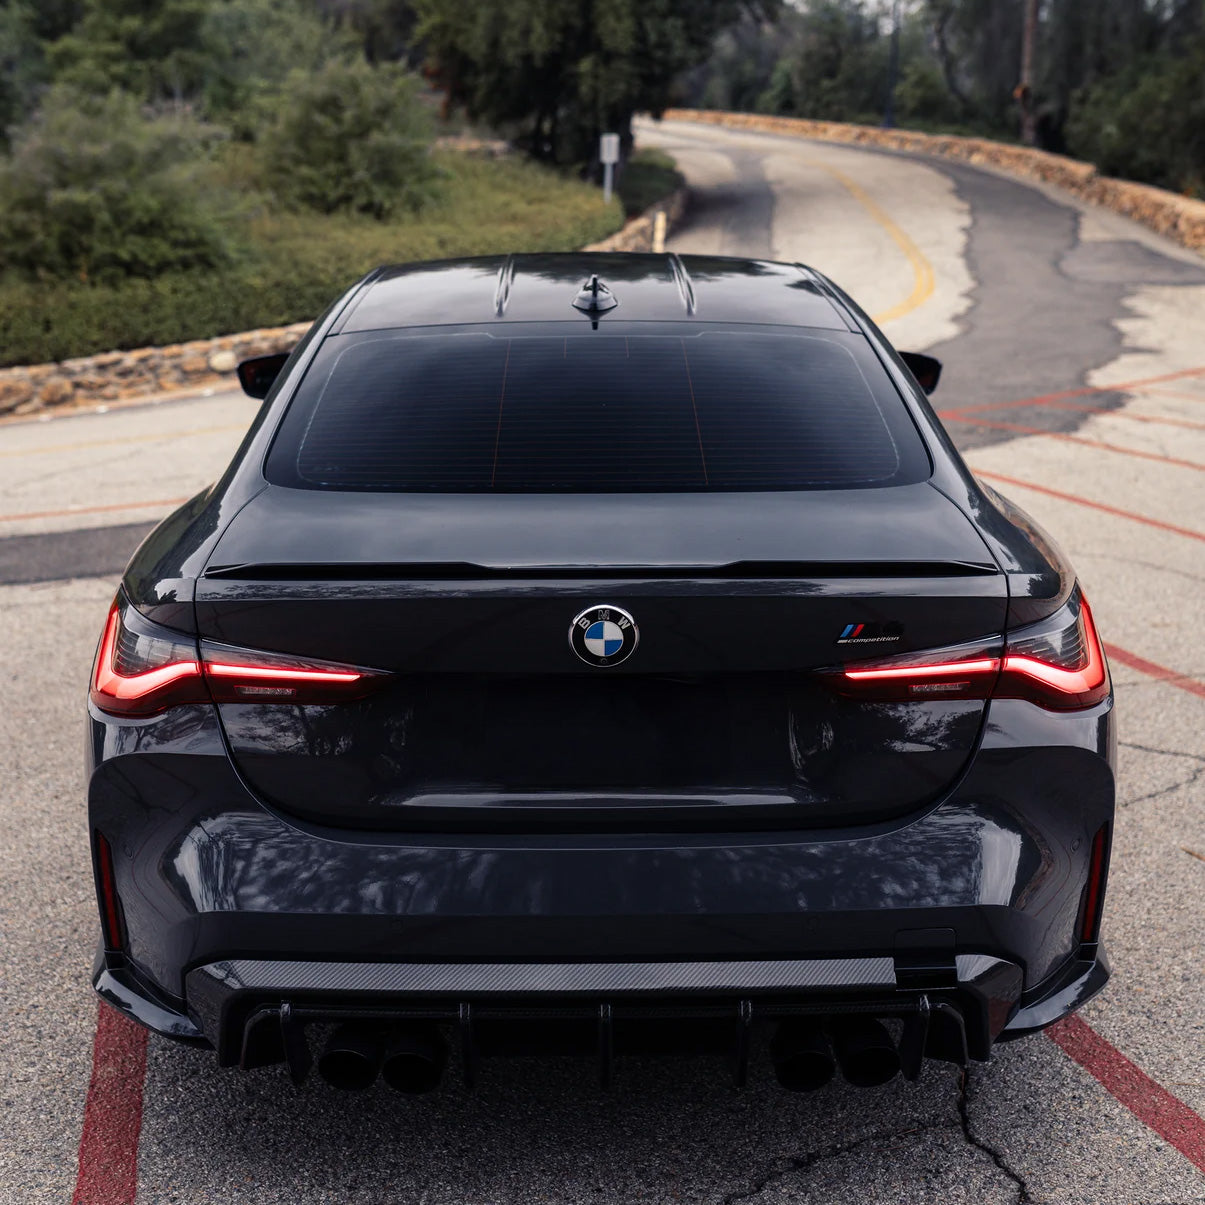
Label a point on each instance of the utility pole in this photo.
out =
(1024, 90)
(893, 66)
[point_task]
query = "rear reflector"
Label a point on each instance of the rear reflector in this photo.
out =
(112, 926)
(1089, 927)
(1058, 664)
(142, 669)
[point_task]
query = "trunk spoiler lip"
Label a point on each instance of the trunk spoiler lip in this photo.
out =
(469, 571)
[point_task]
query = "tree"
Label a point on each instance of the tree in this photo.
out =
(151, 48)
(351, 137)
(98, 190)
(564, 71)
(250, 48)
(1147, 121)
(22, 65)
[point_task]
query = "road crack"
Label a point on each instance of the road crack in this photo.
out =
(964, 1115)
(1191, 781)
(834, 1150)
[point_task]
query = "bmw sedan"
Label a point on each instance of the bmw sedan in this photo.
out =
(598, 653)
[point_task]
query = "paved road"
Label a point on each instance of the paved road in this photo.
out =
(1024, 295)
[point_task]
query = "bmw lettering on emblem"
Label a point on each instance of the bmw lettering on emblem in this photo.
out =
(604, 635)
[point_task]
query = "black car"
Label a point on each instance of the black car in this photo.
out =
(603, 653)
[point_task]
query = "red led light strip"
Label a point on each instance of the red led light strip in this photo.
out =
(985, 665)
(219, 670)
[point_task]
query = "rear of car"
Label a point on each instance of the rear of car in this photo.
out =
(602, 682)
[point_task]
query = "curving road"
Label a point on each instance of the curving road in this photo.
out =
(1074, 345)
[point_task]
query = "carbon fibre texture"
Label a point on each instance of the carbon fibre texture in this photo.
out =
(588, 978)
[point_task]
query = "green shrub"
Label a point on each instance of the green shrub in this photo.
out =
(1146, 123)
(98, 191)
(296, 263)
(252, 46)
(351, 137)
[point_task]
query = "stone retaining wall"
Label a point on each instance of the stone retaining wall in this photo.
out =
(1179, 218)
(637, 235)
(210, 363)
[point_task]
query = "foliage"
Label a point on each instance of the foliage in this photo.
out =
(98, 190)
(838, 69)
(1118, 81)
(560, 72)
(351, 137)
(250, 47)
(22, 64)
(151, 48)
(1147, 121)
(297, 262)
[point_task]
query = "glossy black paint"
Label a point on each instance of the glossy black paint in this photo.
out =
(283, 832)
(258, 375)
(926, 369)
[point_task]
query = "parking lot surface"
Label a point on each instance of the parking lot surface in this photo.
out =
(1074, 345)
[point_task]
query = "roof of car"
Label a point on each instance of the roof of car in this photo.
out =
(542, 288)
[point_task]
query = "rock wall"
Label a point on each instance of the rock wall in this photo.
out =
(210, 363)
(637, 235)
(145, 371)
(1181, 219)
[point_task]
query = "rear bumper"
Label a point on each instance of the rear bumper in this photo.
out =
(244, 1008)
(208, 876)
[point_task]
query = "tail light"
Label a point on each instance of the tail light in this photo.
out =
(1057, 663)
(142, 669)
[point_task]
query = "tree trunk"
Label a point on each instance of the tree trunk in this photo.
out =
(1024, 90)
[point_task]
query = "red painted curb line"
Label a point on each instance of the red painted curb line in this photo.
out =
(108, 1147)
(1102, 506)
(961, 416)
(1041, 399)
(1153, 1105)
(1153, 670)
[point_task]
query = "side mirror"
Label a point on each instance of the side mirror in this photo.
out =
(926, 369)
(258, 374)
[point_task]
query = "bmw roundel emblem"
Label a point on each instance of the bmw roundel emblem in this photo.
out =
(604, 635)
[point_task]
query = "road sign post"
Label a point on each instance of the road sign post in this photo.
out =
(608, 154)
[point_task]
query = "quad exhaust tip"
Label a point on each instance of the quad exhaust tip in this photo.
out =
(352, 1056)
(415, 1060)
(806, 1052)
(410, 1059)
(865, 1051)
(803, 1058)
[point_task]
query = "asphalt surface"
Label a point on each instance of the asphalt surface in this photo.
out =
(1024, 294)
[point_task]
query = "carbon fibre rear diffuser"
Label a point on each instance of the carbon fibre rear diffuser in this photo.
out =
(276, 1033)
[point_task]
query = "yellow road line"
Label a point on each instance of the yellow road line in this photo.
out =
(922, 270)
(129, 439)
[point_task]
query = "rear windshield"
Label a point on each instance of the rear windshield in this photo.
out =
(596, 412)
